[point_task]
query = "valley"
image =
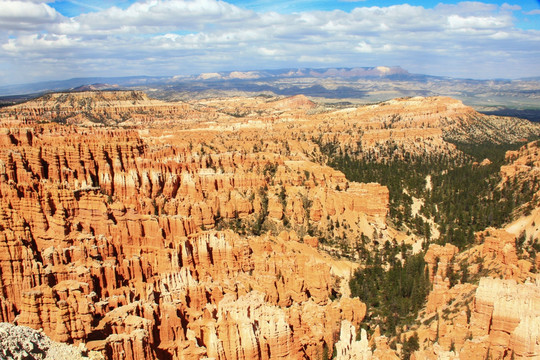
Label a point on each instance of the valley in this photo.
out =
(270, 227)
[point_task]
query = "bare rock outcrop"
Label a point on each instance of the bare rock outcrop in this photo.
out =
(21, 342)
(348, 348)
(509, 314)
(160, 239)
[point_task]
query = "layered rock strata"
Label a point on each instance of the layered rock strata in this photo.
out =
(497, 319)
(102, 245)
(120, 238)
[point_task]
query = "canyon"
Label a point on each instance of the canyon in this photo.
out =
(215, 228)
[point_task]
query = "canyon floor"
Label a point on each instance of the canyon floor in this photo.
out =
(268, 228)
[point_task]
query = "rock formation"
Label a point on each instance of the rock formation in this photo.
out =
(97, 108)
(439, 259)
(497, 319)
(20, 342)
(348, 348)
(524, 162)
(202, 229)
(102, 245)
(509, 314)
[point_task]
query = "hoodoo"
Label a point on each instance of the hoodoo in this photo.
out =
(232, 228)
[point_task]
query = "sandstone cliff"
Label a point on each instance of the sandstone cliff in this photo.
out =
(202, 229)
(496, 319)
(102, 244)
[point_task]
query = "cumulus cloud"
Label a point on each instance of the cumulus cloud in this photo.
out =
(509, 7)
(26, 15)
(39, 43)
(189, 36)
(153, 14)
(477, 22)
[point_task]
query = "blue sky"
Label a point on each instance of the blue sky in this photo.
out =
(74, 8)
(47, 39)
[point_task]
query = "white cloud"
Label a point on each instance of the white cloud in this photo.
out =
(269, 52)
(317, 59)
(466, 8)
(175, 36)
(509, 7)
(363, 47)
(477, 22)
(500, 35)
(39, 43)
(142, 16)
(24, 15)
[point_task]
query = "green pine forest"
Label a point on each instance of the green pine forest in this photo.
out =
(463, 199)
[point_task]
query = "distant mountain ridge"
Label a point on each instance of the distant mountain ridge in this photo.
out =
(130, 81)
(63, 85)
(361, 72)
(352, 84)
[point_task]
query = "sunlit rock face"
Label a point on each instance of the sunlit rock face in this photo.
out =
(190, 230)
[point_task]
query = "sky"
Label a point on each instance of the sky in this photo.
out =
(54, 40)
